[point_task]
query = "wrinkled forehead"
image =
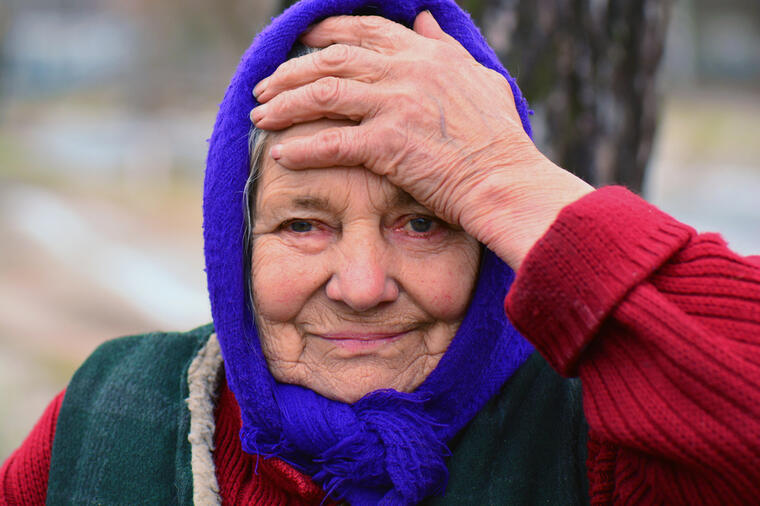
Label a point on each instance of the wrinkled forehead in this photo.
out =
(334, 190)
(329, 188)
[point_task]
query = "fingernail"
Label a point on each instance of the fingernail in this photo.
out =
(276, 151)
(259, 88)
(257, 114)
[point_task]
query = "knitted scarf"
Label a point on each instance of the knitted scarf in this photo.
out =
(388, 447)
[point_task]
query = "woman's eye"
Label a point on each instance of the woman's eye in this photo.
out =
(300, 226)
(421, 225)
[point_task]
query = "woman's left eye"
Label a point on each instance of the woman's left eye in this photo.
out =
(420, 225)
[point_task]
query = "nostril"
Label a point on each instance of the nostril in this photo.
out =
(361, 287)
(333, 288)
(390, 292)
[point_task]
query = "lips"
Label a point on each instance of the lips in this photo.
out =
(360, 336)
(353, 341)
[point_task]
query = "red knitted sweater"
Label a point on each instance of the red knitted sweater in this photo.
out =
(661, 324)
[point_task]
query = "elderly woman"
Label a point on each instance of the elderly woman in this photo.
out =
(361, 349)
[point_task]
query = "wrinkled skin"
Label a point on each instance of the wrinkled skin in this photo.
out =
(356, 285)
(428, 117)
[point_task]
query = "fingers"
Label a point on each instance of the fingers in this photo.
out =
(374, 32)
(367, 146)
(338, 60)
(344, 146)
(346, 58)
(328, 97)
(370, 32)
(426, 25)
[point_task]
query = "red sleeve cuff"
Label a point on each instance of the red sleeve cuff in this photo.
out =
(599, 248)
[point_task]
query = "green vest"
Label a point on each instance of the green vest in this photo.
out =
(121, 435)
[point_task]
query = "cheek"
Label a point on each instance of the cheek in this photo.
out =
(282, 280)
(444, 285)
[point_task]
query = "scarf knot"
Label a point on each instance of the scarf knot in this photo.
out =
(384, 449)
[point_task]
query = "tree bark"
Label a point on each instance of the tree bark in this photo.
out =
(588, 68)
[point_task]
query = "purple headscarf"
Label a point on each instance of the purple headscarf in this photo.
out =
(388, 447)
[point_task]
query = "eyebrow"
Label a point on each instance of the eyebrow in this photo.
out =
(400, 198)
(312, 203)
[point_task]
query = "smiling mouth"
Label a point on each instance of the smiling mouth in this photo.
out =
(362, 341)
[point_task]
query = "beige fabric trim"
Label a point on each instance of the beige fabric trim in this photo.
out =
(203, 378)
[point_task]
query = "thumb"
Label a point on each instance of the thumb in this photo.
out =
(426, 25)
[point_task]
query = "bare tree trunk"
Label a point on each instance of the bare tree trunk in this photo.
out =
(588, 68)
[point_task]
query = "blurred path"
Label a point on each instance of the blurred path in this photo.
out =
(705, 169)
(75, 271)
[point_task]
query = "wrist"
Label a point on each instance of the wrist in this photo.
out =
(512, 208)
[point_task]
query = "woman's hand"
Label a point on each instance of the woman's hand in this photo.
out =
(428, 117)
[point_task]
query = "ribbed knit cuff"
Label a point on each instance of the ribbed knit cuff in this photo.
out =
(598, 249)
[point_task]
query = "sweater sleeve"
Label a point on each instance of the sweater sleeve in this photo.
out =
(663, 327)
(24, 475)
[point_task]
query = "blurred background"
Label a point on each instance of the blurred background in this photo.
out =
(106, 105)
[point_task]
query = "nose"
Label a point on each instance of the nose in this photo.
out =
(361, 277)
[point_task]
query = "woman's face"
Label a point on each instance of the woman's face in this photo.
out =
(356, 286)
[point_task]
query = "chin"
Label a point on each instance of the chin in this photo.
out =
(347, 366)
(360, 381)
(349, 394)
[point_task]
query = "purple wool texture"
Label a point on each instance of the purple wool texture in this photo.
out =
(389, 447)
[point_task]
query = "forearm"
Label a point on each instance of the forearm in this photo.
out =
(662, 326)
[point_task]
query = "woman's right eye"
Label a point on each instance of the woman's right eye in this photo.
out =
(299, 226)
(306, 235)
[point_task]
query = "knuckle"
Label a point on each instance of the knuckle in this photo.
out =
(372, 23)
(385, 147)
(421, 70)
(408, 108)
(408, 117)
(326, 90)
(331, 143)
(283, 103)
(447, 52)
(332, 56)
(407, 101)
(391, 137)
(385, 68)
(286, 69)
